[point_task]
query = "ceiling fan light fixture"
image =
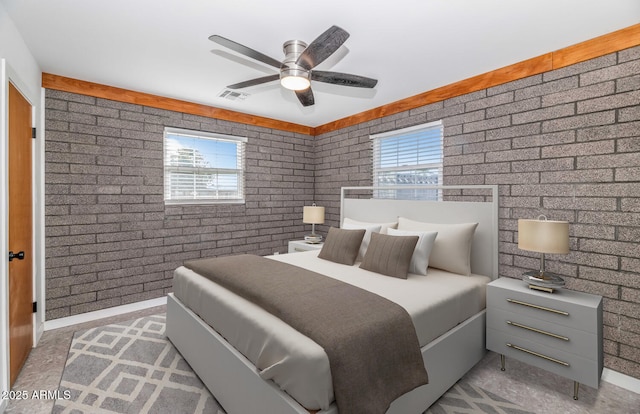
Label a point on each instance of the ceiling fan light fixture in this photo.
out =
(295, 78)
(295, 83)
(292, 75)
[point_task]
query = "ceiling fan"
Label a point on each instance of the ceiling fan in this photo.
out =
(296, 70)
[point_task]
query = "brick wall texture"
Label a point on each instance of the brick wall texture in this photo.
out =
(564, 143)
(110, 240)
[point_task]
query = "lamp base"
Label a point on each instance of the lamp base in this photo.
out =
(313, 238)
(544, 281)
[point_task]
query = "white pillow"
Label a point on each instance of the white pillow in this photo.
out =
(369, 228)
(451, 249)
(365, 224)
(420, 258)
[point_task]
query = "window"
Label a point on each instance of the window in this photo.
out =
(410, 156)
(201, 167)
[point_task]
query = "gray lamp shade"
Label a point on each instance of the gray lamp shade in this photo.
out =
(544, 236)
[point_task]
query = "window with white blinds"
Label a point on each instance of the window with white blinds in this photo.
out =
(202, 167)
(408, 157)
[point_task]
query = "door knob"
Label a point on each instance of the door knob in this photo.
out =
(19, 255)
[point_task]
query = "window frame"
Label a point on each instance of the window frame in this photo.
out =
(377, 170)
(203, 135)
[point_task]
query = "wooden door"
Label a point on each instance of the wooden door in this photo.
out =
(20, 232)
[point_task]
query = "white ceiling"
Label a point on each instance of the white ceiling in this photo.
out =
(411, 46)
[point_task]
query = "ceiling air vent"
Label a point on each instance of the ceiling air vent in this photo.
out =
(232, 95)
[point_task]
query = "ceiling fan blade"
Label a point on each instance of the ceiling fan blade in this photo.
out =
(306, 97)
(322, 47)
(247, 51)
(253, 82)
(344, 79)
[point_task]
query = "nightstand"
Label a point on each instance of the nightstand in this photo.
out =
(560, 332)
(302, 246)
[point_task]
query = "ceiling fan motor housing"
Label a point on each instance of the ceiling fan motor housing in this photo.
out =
(292, 50)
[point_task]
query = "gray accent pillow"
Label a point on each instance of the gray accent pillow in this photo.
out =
(342, 246)
(420, 258)
(389, 255)
(367, 236)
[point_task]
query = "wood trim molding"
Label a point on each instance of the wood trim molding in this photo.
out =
(486, 80)
(599, 46)
(97, 90)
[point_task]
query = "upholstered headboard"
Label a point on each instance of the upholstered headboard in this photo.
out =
(455, 204)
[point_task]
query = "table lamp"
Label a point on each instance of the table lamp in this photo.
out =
(545, 237)
(313, 215)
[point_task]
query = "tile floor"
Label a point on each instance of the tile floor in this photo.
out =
(529, 387)
(45, 364)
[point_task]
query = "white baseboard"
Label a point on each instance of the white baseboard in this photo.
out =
(103, 313)
(621, 380)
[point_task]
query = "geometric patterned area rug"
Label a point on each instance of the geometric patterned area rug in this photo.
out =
(131, 367)
(468, 398)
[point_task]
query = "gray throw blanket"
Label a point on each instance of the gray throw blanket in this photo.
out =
(372, 345)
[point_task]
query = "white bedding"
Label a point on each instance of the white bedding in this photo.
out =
(436, 302)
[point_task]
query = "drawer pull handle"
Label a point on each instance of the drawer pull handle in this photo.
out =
(528, 351)
(540, 331)
(531, 305)
(297, 249)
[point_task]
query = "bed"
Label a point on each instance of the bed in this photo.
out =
(259, 364)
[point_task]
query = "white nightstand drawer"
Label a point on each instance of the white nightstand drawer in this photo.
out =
(560, 332)
(560, 337)
(583, 370)
(557, 308)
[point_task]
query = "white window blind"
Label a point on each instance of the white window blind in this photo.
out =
(201, 167)
(410, 156)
